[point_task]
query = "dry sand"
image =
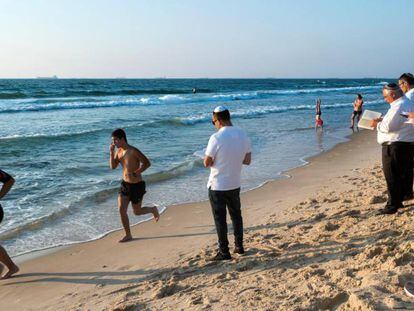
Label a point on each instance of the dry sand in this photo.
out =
(314, 242)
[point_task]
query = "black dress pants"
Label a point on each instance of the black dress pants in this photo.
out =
(397, 167)
(219, 200)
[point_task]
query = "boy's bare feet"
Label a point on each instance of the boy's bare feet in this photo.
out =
(10, 273)
(155, 213)
(125, 239)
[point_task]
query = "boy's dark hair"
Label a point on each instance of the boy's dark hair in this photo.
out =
(119, 133)
(407, 77)
(222, 115)
(359, 96)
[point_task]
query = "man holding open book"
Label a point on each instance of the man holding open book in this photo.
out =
(397, 139)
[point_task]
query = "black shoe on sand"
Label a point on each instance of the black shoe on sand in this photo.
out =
(388, 211)
(239, 250)
(408, 197)
(220, 256)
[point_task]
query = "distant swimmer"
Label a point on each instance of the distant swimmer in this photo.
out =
(318, 119)
(133, 163)
(194, 90)
(5, 259)
(357, 111)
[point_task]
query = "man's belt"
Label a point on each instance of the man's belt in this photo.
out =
(397, 143)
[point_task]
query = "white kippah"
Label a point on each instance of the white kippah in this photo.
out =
(220, 109)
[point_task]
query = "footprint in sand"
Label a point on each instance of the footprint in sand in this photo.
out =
(331, 227)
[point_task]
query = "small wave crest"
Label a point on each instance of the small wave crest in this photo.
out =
(95, 93)
(34, 224)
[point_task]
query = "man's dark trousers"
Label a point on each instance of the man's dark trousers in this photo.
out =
(396, 163)
(219, 200)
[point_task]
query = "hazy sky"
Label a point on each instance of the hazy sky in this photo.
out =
(210, 38)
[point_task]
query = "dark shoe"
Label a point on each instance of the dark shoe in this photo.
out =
(387, 211)
(239, 250)
(220, 256)
(408, 197)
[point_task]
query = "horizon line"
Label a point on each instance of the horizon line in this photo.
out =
(188, 78)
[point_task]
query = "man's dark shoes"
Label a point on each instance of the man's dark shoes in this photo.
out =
(387, 211)
(408, 197)
(220, 256)
(239, 250)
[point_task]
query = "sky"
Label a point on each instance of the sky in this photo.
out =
(200, 39)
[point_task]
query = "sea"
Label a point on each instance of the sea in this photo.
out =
(55, 136)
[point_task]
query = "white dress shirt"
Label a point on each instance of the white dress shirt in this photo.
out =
(410, 94)
(394, 127)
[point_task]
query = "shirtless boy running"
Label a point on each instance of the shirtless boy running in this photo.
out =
(133, 163)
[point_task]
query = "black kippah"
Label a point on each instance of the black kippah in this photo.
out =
(391, 86)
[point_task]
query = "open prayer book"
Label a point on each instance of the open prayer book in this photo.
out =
(367, 117)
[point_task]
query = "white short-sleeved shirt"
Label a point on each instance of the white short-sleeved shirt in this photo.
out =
(393, 127)
(228, 148)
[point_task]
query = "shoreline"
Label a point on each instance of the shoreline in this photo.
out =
(306, 160)
(97, 275)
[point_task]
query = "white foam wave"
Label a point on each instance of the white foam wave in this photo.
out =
(28, 106)
(256, 111)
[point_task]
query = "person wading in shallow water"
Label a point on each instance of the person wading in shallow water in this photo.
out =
(5, 259)
(133, 163)
(318, 118)
(357, 111)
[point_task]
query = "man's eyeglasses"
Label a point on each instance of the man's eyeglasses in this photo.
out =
(213, 122)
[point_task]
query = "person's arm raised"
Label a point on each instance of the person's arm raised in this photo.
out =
(113, 158)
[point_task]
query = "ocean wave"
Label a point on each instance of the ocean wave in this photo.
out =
(96, 93)
(54, 135)
(97, 102)
(184, 121)
(257, 111)
(34, 224)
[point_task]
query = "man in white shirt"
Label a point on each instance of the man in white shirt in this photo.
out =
(406, 83)
(227, 150)
(397, 139)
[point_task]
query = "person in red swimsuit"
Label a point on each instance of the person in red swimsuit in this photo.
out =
(318, 119)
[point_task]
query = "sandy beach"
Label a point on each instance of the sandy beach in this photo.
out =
(313, 241)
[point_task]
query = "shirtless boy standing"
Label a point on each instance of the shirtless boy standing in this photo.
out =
(133, 163)
(357, 111)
